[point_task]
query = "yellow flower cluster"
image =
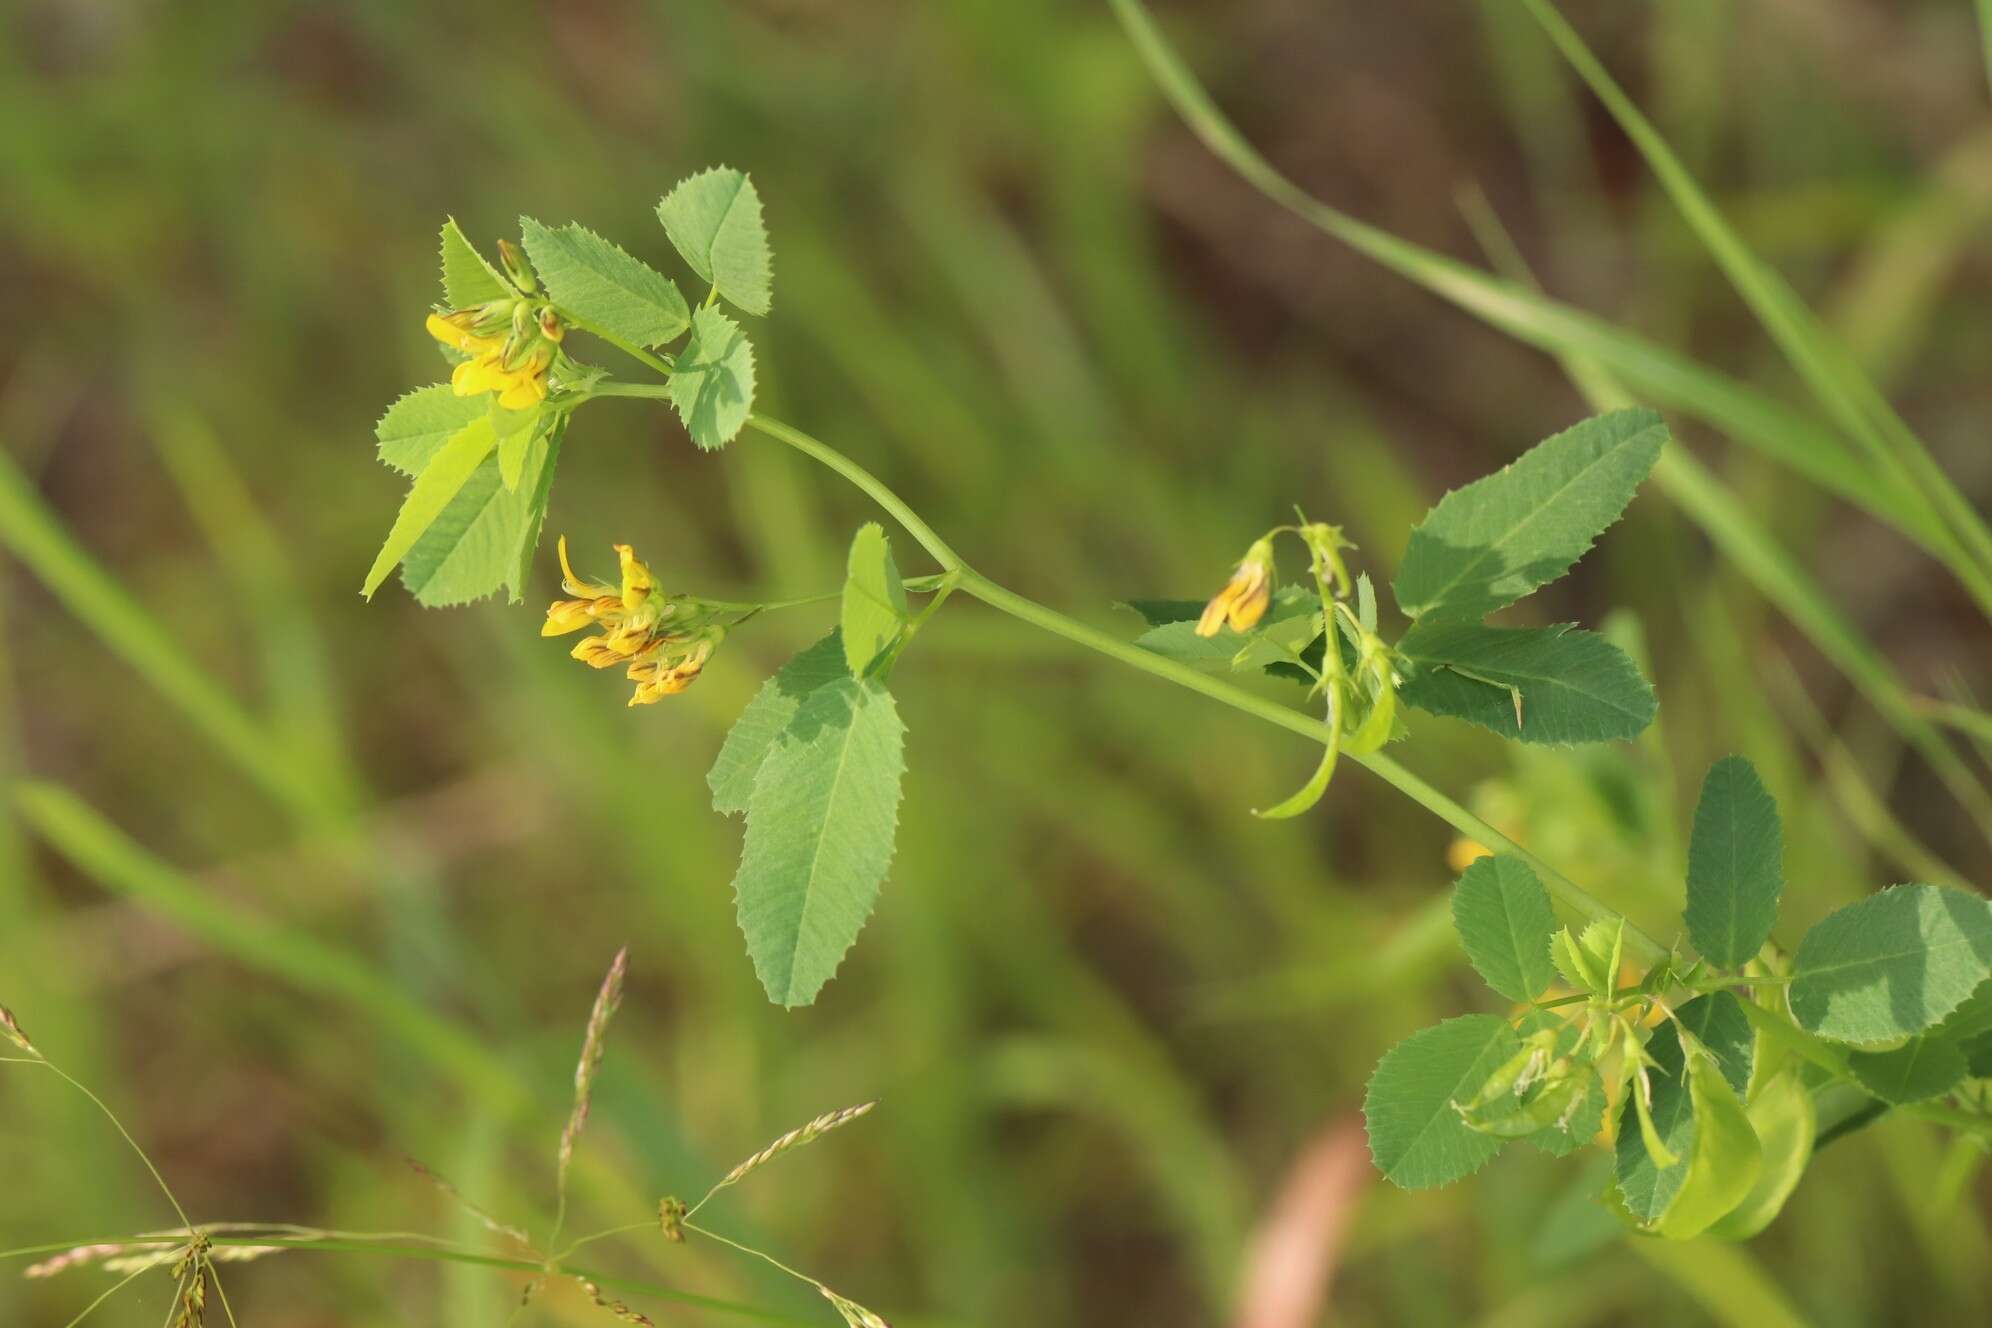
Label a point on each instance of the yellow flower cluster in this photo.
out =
(663, 640)
(511, 346)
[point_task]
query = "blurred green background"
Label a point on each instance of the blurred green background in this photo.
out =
(306, 885)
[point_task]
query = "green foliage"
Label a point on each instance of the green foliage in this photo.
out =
(714, 219)
(1920, 1069)
(1505, 921)
(713, 383)
(1717, 1023)
(431, 494)
(1490, 543)
(1735, 865)
(1416, 1136)
(820, 826)
(1893, 964)
(417, 425)
(1726, 1160)
(874, 602)
(604, 287)
(468, 278)
(766, 718)
(482, 541)
(1554, 685)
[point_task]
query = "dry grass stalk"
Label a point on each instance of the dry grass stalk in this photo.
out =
(796, 1138)
(456, 1196)
(856, 1315)
(616, 1307)
(592, 1046)
(14, 1033)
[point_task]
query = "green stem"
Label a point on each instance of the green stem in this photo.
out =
(118, 1125)
(749, 1249)
(873, 488)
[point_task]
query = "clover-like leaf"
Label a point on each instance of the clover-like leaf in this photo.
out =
(714, 220)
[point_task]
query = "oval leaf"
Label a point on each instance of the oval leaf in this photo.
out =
(1505, 921)
(1416, 1136)
(714, 220)
(1495, 540)
(713, 384)
(1735, 865)
(874, 606)
(603, 286)
(1785, 1121)
(1555, 685)
(820, 826)
(1892, 965)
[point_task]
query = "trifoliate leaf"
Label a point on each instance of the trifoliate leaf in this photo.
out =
(1416, 1136)
(874, 608)
(1718, 1022)
(1892, 965)
(1917, 1071)
(1735, 865)
(714, 220)
(1785, 1121)
(474, 546)
(1505, 921)
(713, 385)
(431, 493)
(467, 277)
(1540, 684)
(1495, 540)
(600, 284)
(417, 425)
(766, 717)
(820, 827)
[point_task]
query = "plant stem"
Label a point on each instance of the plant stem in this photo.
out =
(873, 488)
(1228, 693)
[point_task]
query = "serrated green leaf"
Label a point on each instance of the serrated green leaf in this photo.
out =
(417, 425)
(874, 605)
(1495, 540)
(600, 284)
(1784, 1119)
(766, 717)
(1718, 1022)
(1892, 965)
(1921, 1069)
(1574, 685)
(714, 220)
(1177, 639)
(474, 547)
(1727, 1159)
(1505, 921)
(516, 430)
(1576, 966)
(713, 385)
(467, 278)
(430, 495)
(820, 826)
(1416, 1136)
(1161, 612)
(1735, 865)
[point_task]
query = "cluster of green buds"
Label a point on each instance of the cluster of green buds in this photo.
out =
(662, 640)
(512, 342)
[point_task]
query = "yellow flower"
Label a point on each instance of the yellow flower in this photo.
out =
(511, 345)
(1245, 597)
(664, 640)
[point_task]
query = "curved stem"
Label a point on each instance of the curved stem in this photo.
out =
(1574, 896)
(873, 488)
